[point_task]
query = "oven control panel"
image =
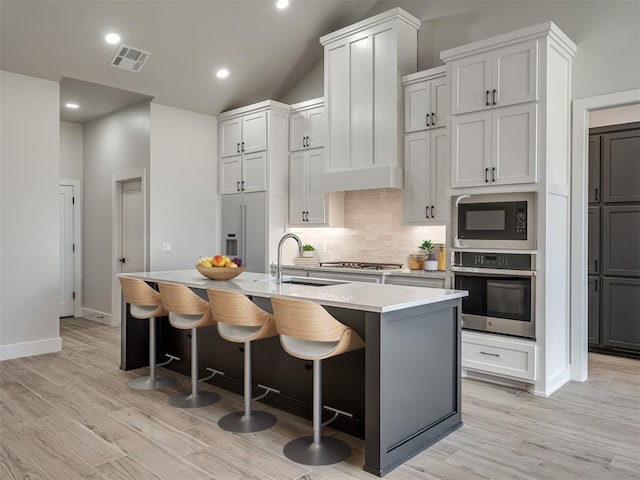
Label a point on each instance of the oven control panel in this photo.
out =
(511, 261)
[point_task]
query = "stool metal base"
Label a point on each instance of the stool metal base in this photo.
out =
(330, 450)
(237, 422)
(152, 383)
(191, 400)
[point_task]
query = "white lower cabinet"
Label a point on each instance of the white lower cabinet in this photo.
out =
(414, 281)
(426, 166)
(497, 355)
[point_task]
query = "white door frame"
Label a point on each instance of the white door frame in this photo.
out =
(116, 226)
(579, 240)
(77, 241)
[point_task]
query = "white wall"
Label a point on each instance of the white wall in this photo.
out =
(606, 33)
(114, 144)
(71, 150)
(614, 116)
(29, 230)
(183, 187)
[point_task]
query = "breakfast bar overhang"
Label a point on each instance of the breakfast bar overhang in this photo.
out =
(403, 389)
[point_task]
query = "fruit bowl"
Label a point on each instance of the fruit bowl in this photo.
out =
(220, 273)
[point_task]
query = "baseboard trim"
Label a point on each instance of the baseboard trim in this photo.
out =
(28, 349)
(97, 316)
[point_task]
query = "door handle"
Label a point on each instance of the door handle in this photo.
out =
(427, 119)
(237, 186)
(490, 354)
(433, 119)
(123, 260)
(596, 195)
(432, 215)
(304, 142)
(493, 174)
(426, 211)
(487, 98)
(486, 175)
(243, 146)
(595, 265)
(494, 96)
(242, 185)
(596, 285)
(237, 147)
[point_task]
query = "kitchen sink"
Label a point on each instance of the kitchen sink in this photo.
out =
(311, 282)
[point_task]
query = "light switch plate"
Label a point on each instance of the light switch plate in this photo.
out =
(166, 247)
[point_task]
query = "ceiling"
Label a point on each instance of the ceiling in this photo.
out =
(266, 50)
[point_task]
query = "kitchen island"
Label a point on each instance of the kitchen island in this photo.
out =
(403, 388)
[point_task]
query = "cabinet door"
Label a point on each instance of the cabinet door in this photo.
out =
(417, 182)
(361, 108)
(255, 231)
(297, 188)
(315, 127)
(621, 240)
(593, 288)
(338, 106)
(514, 144)
(593, 238)
(440, 102)
(230, 174)
(594, 168)
(316, 202)
(470, 149)
(470, 82)
(439, 176)
(254, 132)
(297, 131)
(254, 175)
(620, 307)
(621, 166)
(515, 74)
(230, 137)
(417, 104)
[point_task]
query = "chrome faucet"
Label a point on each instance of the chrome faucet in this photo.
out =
(279, 265)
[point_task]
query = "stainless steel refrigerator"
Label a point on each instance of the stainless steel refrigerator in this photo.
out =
(244, 229)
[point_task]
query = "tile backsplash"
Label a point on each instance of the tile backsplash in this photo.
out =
(373, 231)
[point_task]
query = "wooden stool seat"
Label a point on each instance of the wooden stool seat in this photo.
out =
(241, 321)
(187, 311)
(146, 304)
(307, 331)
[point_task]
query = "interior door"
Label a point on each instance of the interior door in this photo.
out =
(132, 228)
(65, 201)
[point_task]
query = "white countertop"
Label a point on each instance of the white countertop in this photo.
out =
(362, 296)
(399, 271)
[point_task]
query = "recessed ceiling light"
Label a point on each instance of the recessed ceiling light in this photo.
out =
(112, 38)
(222, 73)
(72, 105)
(281, 4)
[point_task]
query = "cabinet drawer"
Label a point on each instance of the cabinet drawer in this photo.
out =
(509, 358)
(415, 282)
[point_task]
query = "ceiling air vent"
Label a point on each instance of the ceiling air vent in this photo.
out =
(130, 58)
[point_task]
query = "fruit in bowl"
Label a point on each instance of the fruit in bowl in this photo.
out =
(220, 267)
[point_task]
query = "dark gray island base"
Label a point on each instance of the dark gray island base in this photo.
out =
(403, 388)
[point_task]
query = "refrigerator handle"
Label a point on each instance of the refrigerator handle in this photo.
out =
(243, 231)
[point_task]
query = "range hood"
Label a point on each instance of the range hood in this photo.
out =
(372, 177)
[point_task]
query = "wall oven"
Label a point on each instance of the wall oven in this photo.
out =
(500, 221)
(502, 292)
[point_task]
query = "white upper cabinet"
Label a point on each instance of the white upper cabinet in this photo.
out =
(306, 125)
(505, 76)
(426, 100)
(246, 134)
(363, 111)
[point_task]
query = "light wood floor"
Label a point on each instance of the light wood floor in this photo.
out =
(71, 415)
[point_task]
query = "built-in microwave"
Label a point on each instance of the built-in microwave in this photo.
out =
(495, 221)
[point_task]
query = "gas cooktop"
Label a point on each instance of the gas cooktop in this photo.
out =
(362, 265)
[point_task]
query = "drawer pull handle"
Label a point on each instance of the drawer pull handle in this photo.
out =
(490, 354)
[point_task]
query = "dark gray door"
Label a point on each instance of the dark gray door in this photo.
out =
(621, 166)
(621, 240)
(255, 232)
(593, 237)
(621, 313)
(594, 168)
(593, 286)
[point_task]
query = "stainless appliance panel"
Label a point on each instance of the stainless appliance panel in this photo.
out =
(244, 229)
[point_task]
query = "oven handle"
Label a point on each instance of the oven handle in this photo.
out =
(495, 271)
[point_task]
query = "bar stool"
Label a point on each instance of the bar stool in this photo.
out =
(145, 303)
(187, 311)
(242, 321)
(307, 331)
